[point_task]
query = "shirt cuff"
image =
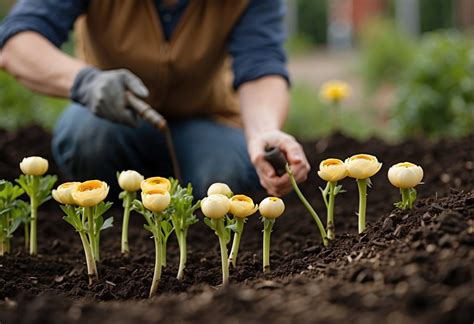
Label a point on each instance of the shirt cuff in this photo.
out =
(257, 70)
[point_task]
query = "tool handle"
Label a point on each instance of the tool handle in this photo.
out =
(145, 111)
(277, 159)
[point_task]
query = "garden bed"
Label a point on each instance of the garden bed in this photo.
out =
(407, 267)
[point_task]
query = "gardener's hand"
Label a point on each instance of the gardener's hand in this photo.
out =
(103, 93)
(275, 185)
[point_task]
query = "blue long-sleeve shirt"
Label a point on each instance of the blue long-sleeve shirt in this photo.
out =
(255, 44)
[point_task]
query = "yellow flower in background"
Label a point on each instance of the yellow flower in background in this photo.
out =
(242, 206)
(332, 170)
(62, 194)
(215, 206)
(219, 188)
(34, 165)
(130, 180)
(156, 200)
(155, 183)
(405, 175)
(271, 207)
(335, 91)
(89, 193)
(362, 166)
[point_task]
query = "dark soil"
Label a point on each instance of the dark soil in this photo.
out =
(408, 267)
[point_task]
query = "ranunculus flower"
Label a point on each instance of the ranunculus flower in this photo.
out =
(405, 175)
(34, 165)
(362, 166)
(332, 170)
(155, 183)
(89, 193)
(271, 207)
(156, 200)
(219, 188)
(62, 194)
(130, 180)
(242, 206)
(215, 206)
(335, 91)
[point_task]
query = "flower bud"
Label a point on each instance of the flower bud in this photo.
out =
(362, 166)
(271, 207)
(242, 206)
(332, 170)
(335, 91)
(155, 183)
(215, 206)
(156, 200)
(89, 193)
(219, 188)
(405, 175)
(130, 180)
(62, 194)
(34, 165)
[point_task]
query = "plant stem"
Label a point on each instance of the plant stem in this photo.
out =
(405, 198)
(330, 209)
(220, 230)
(158, 257)
(2, 248)
(182, 254)
(267, 232)
(91, 232)
(308, 206)
(362, 185)
(163, 252)
(27, 235)
(91, 265)
(240, 222)
(33, 224)
(129, 196)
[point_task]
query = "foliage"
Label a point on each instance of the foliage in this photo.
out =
(436, 93)
(312, 20)
(38, 187)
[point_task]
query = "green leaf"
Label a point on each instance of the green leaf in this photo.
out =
(109, 222)
(209, 223)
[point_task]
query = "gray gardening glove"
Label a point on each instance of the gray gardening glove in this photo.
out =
(103, 93)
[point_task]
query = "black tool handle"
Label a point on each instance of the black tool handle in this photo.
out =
(145, 111)
(276, 158)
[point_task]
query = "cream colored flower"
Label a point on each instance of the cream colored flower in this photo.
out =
(242, 206)
(362, 166)
(34, 165)
(219, 188)
(215, 206)
(155, 183)
(405, 175)
(271, 207)
(89, 193)
(130, 180)
(332, 170)
(335, 91)
(156, 200)
(62, 194)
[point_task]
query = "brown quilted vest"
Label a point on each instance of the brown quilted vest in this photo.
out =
(189, 75)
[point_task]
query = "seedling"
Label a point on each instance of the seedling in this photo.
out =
(130, 182)
(332, 171)
(38, 188)
(215, 207)
(361, 167)
(406, 176)
(270, 208)
(241, 207)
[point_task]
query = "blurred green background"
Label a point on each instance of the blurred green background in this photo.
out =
(410, 75)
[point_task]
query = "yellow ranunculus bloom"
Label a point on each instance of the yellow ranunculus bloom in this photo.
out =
(362, 166)
(34, 165)
(89, 193)
(219, 188)
(155, 183)
(62, 194)
(271, 207)
(215, 206)
(130, 180)
(335, 91)
(242, 206)
(156, 200)
(332, 170)
(405, 175)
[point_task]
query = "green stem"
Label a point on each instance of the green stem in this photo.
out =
(163, 252)
(239, 228)
(91, 231)
(129, 197)
(3, 249)
(362, 185)
(182, 254)
(330, 210)
(33, 225)
(158, 257)
(220, 230)
(267, 232)
(308, 206)
(91, 264)
(405, 198)
(8, 245)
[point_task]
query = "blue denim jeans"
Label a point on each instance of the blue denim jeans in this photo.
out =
(87, 147)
